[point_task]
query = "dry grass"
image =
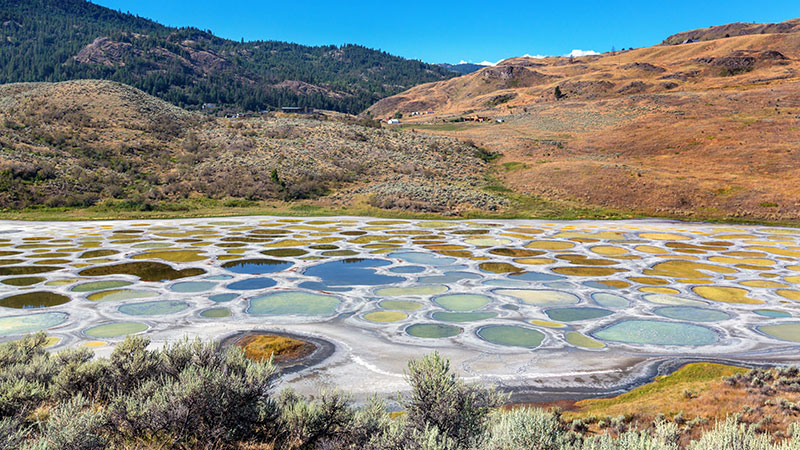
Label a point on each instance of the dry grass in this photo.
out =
(262, 347)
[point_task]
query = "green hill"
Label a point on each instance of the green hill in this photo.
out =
(57, 40)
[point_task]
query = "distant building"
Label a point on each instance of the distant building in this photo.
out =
(393, 121)
(297, 109)
(209, 105)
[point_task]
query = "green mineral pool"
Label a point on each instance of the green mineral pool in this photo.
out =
(580, 340)
(216, 313)
(783, 331)
(34, 300)
(433, 330)
(540, 297)
(293, 303)
(22, 281)
(400, 305)
(121, 294)
(511, 335)
(607, 300)
(29, 323)
(115, 329)
(412, 291)
(462, 302)
(656, 332)
(157, 308)
(93, 286)
(692, 314)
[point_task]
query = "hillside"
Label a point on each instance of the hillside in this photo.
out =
(57, 40)
(703, 129)
(82, 143)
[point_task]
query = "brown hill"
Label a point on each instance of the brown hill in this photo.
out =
(703, 129)
(79, 143)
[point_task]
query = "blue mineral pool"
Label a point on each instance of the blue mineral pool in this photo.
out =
(610, 300)
(251, 284)
(772, 313)
(256, 266)
(352, 272)
(449, 277)
(407, 269)
(192, 286)
(657, 332)
(427, 259)
(222, 298)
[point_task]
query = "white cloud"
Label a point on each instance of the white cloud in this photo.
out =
(488, 63)
(463, 62)
(577, 52)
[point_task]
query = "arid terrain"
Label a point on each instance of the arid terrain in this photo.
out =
(709, 128)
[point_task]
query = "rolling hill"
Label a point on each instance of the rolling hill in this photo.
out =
(58, 40)
(706, 128)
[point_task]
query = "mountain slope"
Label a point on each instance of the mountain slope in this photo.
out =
(56, 40)
(703, 129)
(84, 142)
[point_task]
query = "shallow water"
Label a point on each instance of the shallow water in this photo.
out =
(622, 288)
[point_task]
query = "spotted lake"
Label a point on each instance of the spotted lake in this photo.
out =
(562, 304)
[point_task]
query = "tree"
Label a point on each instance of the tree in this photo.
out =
(558, 94)
(398, 115)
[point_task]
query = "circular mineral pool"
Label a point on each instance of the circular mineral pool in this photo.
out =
(284, 252)
(576, 314)
(449, 277)
(432, 330)
(610, 300)
(251, 284)
(772, 313)
(656, 332)
(34, 300)
(692, 314)
(463, 316)
(579, 340)
(256, 266)
(115, 329)
(157, 308)
(412, 291)
(100, 285)
(400, 305)
(222, 298)
(540, 297)
(385, 316)
(511, 335)
(783, 331)
(293, 303)
(462, 302)
(407, 269)
(216, 313)
(673, 300)
(22, 281)
(352, 272)
(29, 323)
(192, 286)
(219, 277)
(121, 294)
(425, 259)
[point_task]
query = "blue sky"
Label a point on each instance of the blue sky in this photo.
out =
(458, 30)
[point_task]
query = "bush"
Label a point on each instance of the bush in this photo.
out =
(74, 425)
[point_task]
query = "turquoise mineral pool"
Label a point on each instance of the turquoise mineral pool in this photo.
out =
(511, 335)
(251, 284)
(37, 299)
(93, 286)
(256, 266)
(576, 314)
(656, 332)
(783, 331)
(432, 330)
(216, 313)
(222, 298)
(446, 316)
(667, 299)
(156, 308)
(449, 277)
(293, 303)
(115, 329)
(192, 286)
(407, 269)
(772, 313)
(462, 302)
(692, 314)
(12, 325)
(610, 300)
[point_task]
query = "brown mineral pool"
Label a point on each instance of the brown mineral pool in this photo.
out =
(260, 347)
(37, 299)
(145, 270)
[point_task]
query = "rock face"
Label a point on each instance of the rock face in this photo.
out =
(104, 51)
